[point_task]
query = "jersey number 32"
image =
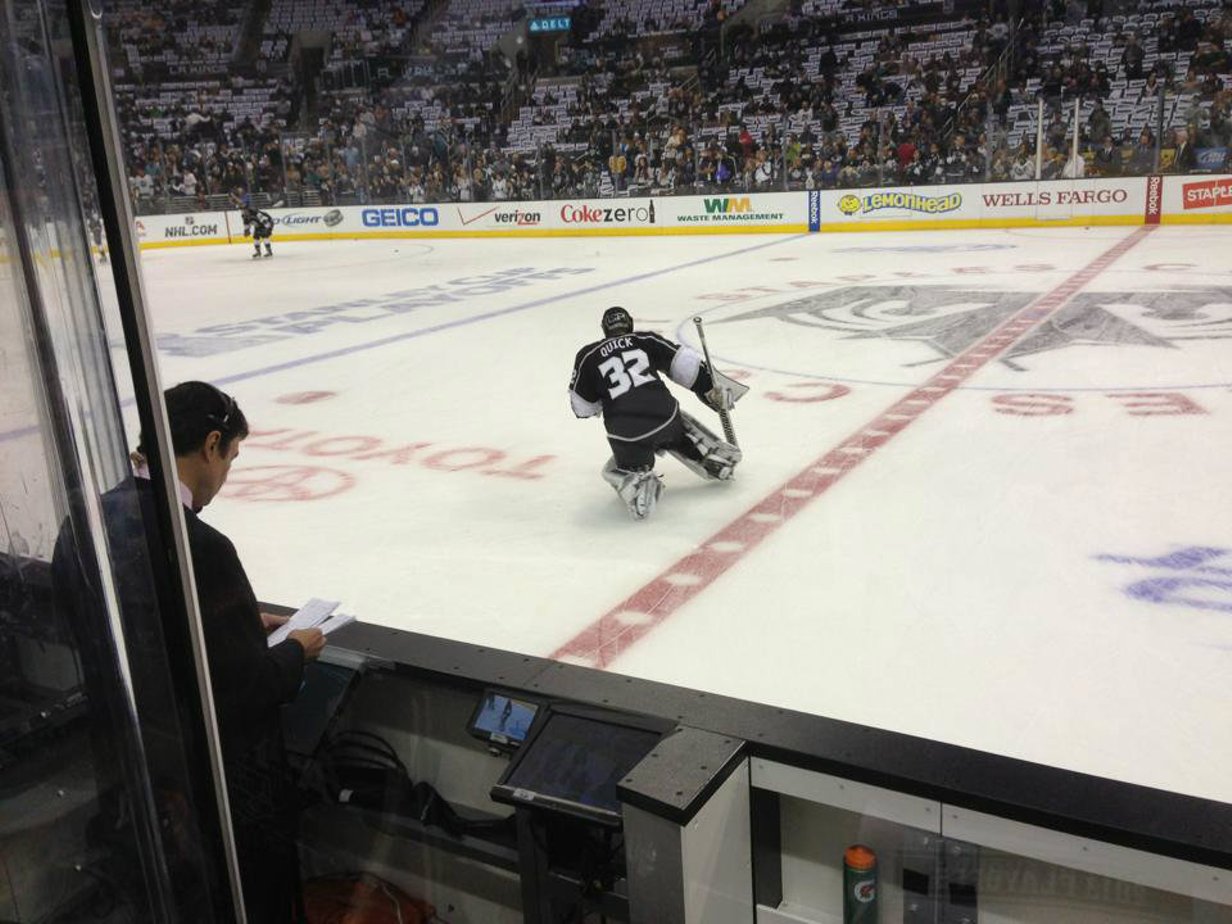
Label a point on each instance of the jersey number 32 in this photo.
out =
(626, 371)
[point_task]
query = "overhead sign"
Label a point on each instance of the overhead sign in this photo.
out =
(551, 24)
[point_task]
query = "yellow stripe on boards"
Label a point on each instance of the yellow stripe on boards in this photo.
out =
(531, 232)
(829, 227)
(1213, 218)
(961, 224)
(190, 242)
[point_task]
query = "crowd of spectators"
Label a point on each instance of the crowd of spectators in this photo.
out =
(189, 139)
(173, 38)
(649, 100)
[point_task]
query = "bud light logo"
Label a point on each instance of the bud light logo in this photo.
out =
(295, 218)
(410, 216)
(1212, 159)
(333, 218)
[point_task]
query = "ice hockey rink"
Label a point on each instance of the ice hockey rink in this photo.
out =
(984, 497)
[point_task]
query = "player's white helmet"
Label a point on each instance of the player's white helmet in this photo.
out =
(617, 321)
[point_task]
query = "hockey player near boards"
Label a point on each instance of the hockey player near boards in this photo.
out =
(261, 226)
(95, 223)
(619, 376)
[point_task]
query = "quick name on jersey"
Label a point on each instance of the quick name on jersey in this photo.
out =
(617, 343)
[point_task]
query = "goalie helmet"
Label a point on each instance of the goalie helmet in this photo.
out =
(617, 321)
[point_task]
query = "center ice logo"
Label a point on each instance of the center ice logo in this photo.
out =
(950, 319)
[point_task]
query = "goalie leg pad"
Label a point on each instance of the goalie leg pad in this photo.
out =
(711, 457)
(639, 489)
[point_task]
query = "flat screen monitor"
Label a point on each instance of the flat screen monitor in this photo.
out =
(308, 717)
(574, 760)
(501, 720)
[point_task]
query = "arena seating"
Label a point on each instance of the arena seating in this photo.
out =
(644, 98)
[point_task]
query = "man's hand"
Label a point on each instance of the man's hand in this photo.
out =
(270, 622)
(312, 641)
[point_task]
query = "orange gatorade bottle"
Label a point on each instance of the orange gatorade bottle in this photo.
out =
(859, 885)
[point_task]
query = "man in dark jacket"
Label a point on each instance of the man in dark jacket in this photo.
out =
(1185, 159)
(250, 679)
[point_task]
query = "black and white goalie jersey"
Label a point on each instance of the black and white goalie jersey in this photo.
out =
(619, 376)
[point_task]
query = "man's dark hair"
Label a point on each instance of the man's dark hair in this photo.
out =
(194, 410)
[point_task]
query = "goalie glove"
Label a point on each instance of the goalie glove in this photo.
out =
(717, 400)
(724, 393)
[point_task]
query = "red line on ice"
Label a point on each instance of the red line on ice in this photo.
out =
(634, 617)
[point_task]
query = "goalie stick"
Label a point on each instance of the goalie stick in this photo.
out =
(724, 414)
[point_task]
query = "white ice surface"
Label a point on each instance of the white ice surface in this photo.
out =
(948, 587)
